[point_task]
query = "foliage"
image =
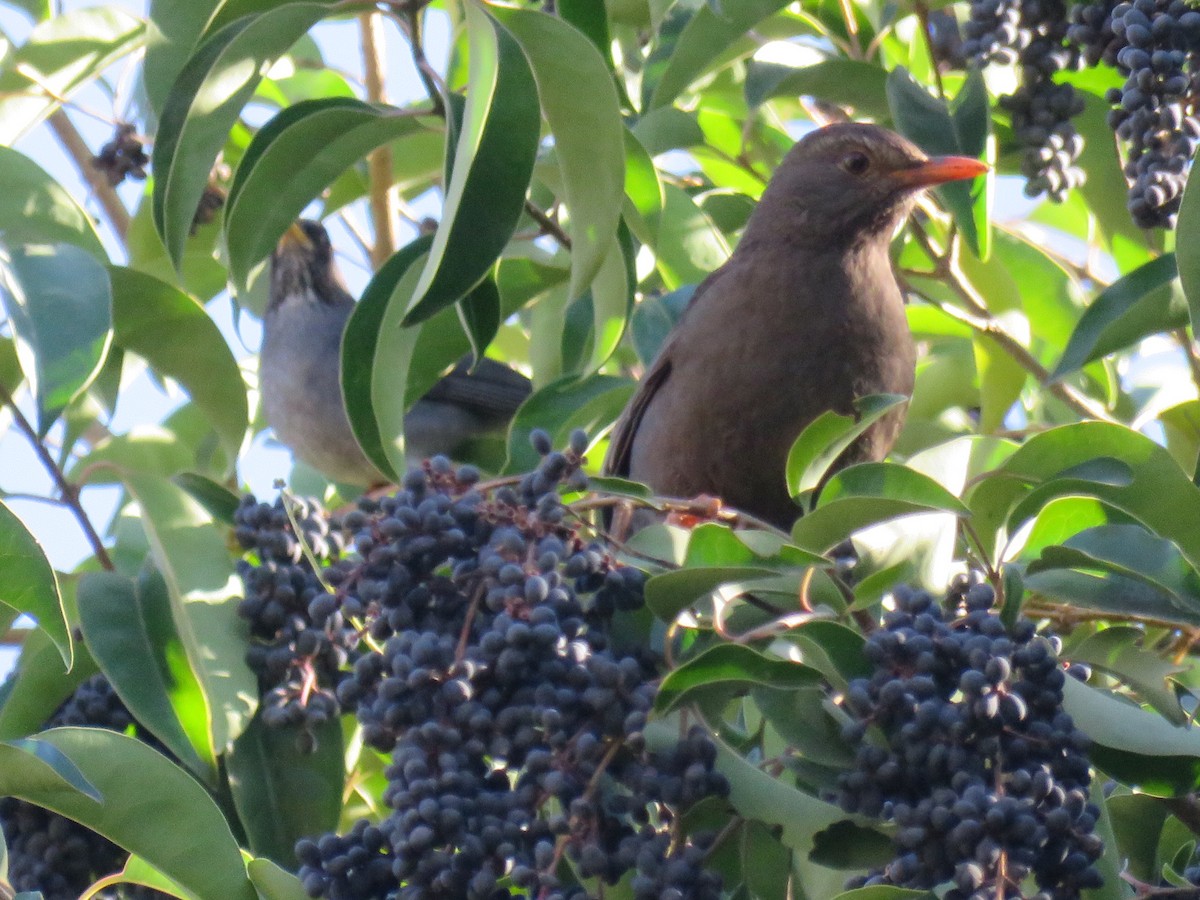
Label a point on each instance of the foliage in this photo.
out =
(593, 163)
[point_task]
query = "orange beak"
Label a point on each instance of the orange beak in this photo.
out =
(294, 237)
(939, 170)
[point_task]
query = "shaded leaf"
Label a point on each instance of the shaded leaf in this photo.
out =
(59, 304)
(492, 165)
(562, 406)
(179, 340)
(141, 790)
(36, 209)
(30, 585)
(39, 684)
(129, 630)
(846, 82)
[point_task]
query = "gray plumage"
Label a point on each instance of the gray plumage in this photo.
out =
(299, 372)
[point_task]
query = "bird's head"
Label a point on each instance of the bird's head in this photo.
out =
(302, 266)
(849, 182)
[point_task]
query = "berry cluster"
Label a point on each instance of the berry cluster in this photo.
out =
(122, 157)
(1033, 33)
(302, 633)
(980, 769)
(1156, 42)
(513, 719)
(53, 854)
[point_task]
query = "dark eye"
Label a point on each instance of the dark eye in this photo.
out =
(856, 163)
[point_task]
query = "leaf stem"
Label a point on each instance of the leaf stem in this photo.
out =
(70, 492)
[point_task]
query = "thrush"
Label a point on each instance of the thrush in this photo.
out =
(806, 316)
(300, 372)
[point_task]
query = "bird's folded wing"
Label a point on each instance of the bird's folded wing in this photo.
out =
(492, 390)
(620, 445)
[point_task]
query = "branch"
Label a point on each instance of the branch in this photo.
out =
(923, 17)
(64, 129)
(977, 316)
(379, 162)
(548, 225)
(434, 86)
(69, 491)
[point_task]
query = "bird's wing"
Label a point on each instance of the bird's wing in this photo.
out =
(492, 390)
(620, 446)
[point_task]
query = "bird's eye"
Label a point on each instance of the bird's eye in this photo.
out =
(856, 163)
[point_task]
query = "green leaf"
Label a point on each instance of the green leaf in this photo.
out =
(179, 340)
(580, 103)
(40, 683)
(823, 440)
(1119, 651)
(30, 586)
(62, 54)
(667, 128)
(702, 43)
(173, 29)
(562, 406)
(1146, 301)
(846, 82)
(1105, 189)
(39, 210)
(1187, 239)
(866, 494)
(1127, 550)
(1137, 747)
(191, 554)
(1115, 464)
(479, 313)
(143, 792)
(273, 883)
(291, 159)
(220, 502)
(670, 593)
(361, 347)
(686, 243)
(128, 628)
(204, 103)
(59, 304)
(927, 121)
(493, 162)
(1115, 595)
(730, 667)
(38, 10)
(282, 791)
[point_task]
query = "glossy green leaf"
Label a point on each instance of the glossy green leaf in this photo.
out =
(291, 159)
(40, 683)
(929, 123)
(667, 128)
(37, 10)
(670, 593)
(702, 43)
(173, 29)
(846, 82)
(729, 666)
(37, 210)
(62, 54)
(580, 103)
(190, 552)
(493, 162)
(128, 628)
(361, 347)
(479, 312)
(30, 585)
(1187, 249)
(218, 500)
(562, 406)
(59, 304)
(1146, 301)
(204, 103)
(143, 792)
(686, 243)
(179, 340)
(825, 438)
(1118, 466)
(273, 883)
(867, 494)
(284, 792)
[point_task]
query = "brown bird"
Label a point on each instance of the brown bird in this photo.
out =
(300, 372)
(804, 317)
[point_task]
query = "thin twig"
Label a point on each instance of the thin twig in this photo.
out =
(434, 86)
(379, 161)
(923, 17)
(69, 491)
(548, 225)
(977, 317)
(1189, 351)
(71, 140)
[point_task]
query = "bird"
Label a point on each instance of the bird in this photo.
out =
(804, 317)
(300, 372)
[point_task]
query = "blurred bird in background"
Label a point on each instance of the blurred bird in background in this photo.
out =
(300, 372)
(806, 316)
